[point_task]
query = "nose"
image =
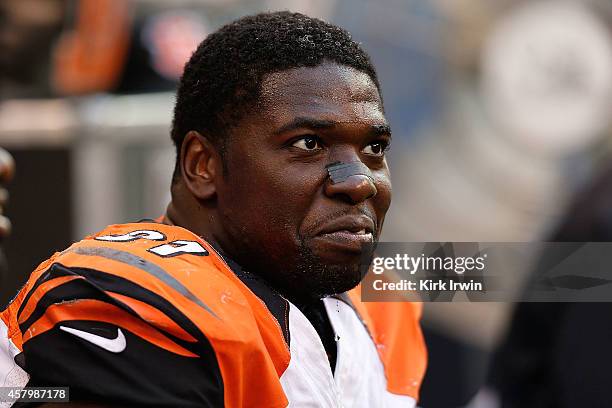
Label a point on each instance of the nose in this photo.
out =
(355, 188)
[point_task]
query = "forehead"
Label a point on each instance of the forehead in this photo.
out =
(330, 91)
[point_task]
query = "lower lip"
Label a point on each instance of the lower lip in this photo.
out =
(347, 240)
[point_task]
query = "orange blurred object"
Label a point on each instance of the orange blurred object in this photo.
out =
(91, 57)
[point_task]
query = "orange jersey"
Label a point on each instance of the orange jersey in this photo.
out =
(150, 314)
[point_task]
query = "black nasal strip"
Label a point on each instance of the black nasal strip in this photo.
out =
(339, 171)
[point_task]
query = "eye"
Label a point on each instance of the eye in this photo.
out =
(309, 143)
(377, 148)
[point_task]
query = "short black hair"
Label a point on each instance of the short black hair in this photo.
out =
(224, 74)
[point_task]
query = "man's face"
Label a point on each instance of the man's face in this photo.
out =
(282, 217)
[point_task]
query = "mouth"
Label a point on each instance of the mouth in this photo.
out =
(347, 240)
(347, 234)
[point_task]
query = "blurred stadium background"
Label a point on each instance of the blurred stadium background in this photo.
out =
(501, 114)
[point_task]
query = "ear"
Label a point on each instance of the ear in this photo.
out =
(200, 163)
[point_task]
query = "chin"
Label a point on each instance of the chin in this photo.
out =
(313, 271)
(322, 274)
(318, 281)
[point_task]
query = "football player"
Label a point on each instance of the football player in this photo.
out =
(244, 293)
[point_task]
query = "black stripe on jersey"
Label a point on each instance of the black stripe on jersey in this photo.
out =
(81, 289)
(94, 286)
(123, 286)
(70, 291)
(50, 273)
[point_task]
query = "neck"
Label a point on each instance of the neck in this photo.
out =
(185, 211)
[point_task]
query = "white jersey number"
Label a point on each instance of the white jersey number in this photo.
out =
(133, 236)
(180, 247)
(170, 249)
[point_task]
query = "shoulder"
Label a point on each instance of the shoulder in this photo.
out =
(157, 273)
(141, 297)
(125, 248)
(149, 255)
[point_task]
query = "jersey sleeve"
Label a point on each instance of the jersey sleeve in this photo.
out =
(107, 337)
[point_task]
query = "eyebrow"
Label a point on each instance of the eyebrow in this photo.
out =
(316, 124)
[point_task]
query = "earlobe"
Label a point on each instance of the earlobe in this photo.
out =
(199, 161)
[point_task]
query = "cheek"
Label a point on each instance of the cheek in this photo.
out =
(272, 201)
(382, 201)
